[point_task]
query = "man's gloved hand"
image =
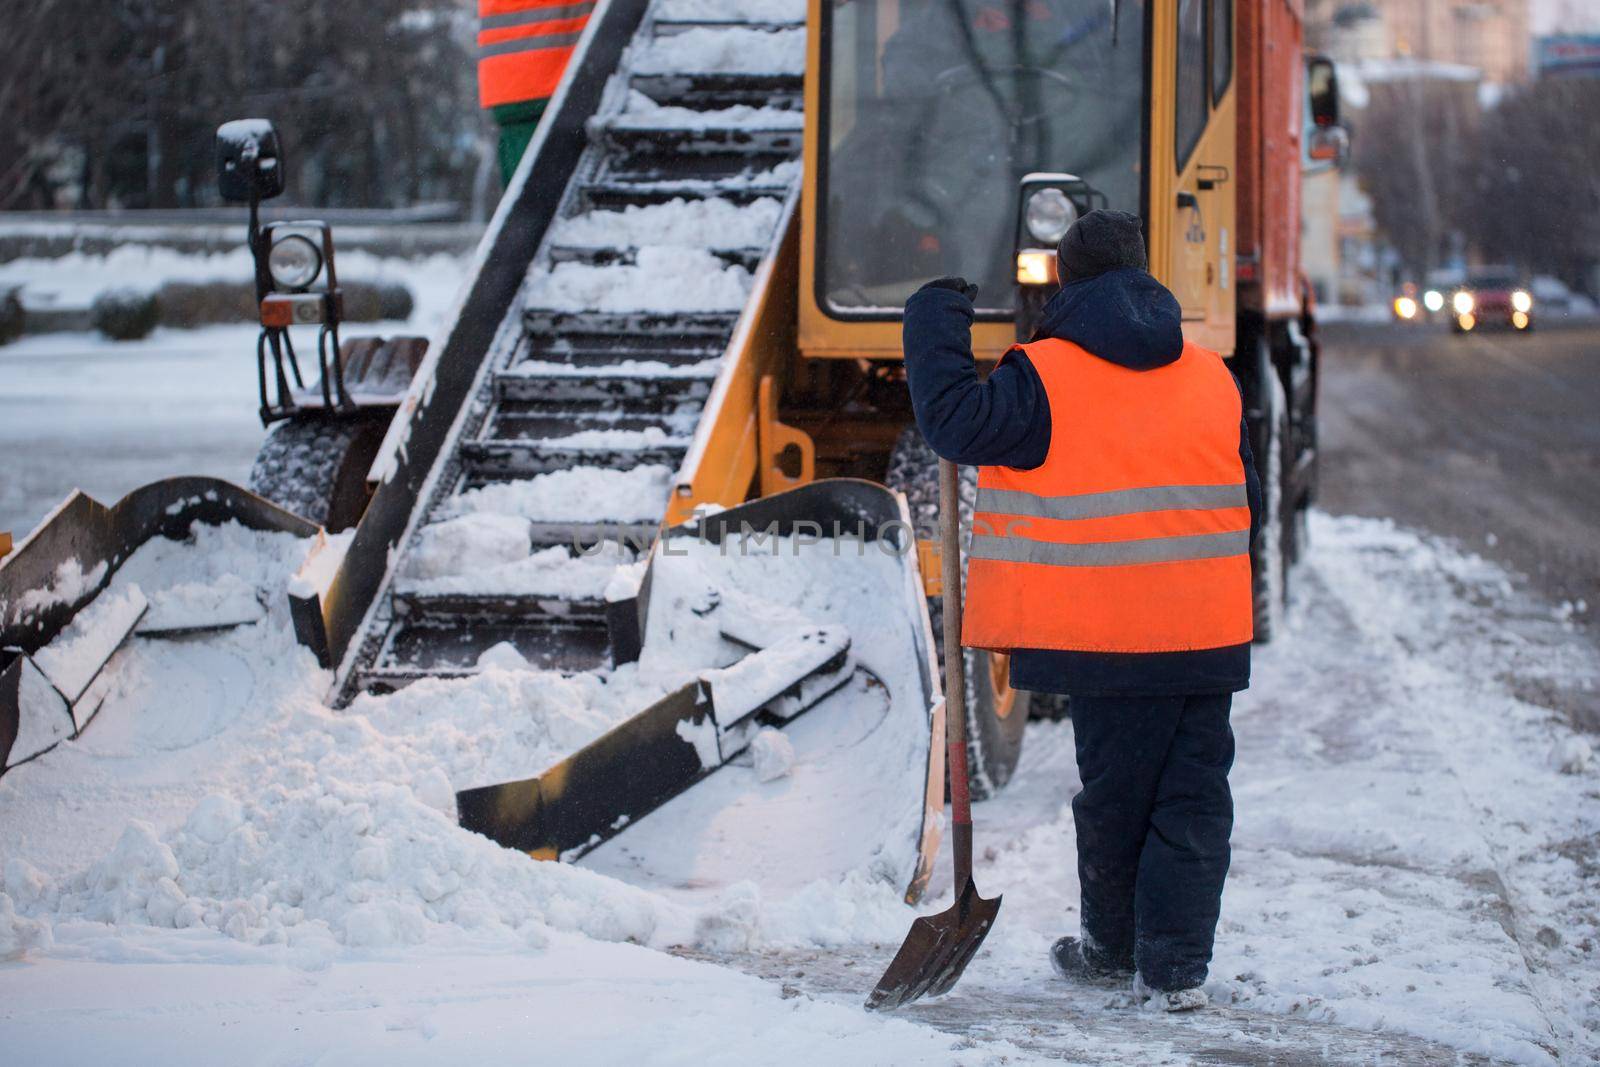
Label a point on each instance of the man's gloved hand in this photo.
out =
(958, 285)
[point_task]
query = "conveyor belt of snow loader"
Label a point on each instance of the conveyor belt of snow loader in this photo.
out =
(616, 300)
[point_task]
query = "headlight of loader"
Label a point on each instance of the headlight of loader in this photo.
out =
(1522, 300)
(1049, 213)
(1433, 300)
(1463, 303)
(294, 262)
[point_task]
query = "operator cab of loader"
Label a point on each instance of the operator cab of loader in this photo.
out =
(965, 136)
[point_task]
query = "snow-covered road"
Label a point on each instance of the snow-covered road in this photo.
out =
(80, 412)
(221, 868)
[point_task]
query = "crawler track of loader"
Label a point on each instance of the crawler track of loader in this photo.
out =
(583, 390)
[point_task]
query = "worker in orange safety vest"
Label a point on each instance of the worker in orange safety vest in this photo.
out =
(1116, 504)
(523, 49)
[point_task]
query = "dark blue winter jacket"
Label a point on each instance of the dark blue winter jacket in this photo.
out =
(1124, 316)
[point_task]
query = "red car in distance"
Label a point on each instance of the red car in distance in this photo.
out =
(1491, 296)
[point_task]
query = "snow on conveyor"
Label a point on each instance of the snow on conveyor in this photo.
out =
(725, 51)
(773, 11)
(705, 223)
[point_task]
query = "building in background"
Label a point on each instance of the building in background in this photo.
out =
(1567, 56)
(1490, 35)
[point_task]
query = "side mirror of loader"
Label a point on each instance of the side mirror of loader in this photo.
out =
(1327, 141)
(249, 160)
(1322, 91)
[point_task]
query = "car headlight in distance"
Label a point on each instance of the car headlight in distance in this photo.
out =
(1433, 300)
(1463, 303)
(294, 262)
(1405, 307)
(1048, 214)
(1522, 301)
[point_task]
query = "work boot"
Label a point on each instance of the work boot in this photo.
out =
(1072, 963)
(1191, 999)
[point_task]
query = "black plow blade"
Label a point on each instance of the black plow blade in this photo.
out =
(936, 951)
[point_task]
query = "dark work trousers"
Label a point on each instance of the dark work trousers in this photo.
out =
(1153, 822)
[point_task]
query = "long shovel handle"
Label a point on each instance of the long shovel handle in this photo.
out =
(955, 681)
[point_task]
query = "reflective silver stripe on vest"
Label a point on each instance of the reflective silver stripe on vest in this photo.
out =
(535, 15)
(1116, 502)
(1111, 553)
(530, 44)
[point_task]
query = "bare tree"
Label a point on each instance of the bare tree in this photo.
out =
(375, 99)
(1537, 199)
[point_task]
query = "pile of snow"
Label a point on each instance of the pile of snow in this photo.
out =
(660, 279)
(725, 51)
(707, 223)
(311, 829)
(218, 574)
(643, 113)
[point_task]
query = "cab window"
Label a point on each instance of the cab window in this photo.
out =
(1191, 77)
(932, 113)
(1221, 47)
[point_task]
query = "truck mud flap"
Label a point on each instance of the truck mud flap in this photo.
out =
(59, 569)
(649, 761)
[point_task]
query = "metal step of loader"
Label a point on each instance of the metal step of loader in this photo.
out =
(603, 255)
(642, 384)
(518, 420)
(509, 459)
(620, 193)
(622, 330)
(773, 135)
(666, 27)
(448, 648)
(702, 92)
(437, 608)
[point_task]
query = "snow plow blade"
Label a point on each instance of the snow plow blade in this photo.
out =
(866, 726)
(52, 579)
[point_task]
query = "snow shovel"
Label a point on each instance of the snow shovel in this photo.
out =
(939, 947)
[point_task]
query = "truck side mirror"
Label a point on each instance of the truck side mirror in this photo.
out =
(249, 160)
(1322, 91)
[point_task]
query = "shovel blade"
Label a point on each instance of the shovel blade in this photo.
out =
(936, 951)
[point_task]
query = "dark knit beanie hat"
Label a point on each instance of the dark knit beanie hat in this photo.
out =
(1101, 241)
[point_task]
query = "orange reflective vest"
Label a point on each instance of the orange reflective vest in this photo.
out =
(1134, 534)
(524, 46)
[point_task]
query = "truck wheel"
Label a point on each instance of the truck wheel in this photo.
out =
(315, 465)
(1269, 570)
(997, 715)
